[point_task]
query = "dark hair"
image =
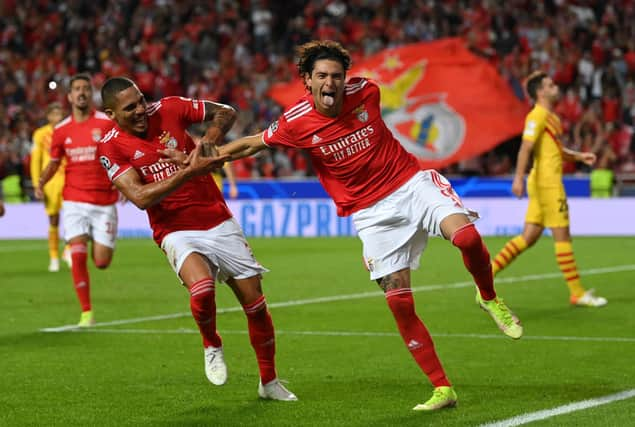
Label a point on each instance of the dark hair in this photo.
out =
(80, 76)
(111, 89)
(315, 50)
(534, 82)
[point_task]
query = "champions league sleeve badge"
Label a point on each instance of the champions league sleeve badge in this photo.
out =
(272, 129)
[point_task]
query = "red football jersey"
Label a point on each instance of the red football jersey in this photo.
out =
(196, 205)
(355, 156)
(85, 181)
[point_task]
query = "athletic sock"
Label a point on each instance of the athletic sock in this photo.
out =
(79, 270)
(54, 242)
(510, 251)
(476, 259)
(262, 337)
(566, 262)
(415, 335)
(203, 307)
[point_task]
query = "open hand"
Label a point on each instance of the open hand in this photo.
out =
(176, 157)
(200, 164)
(588, 158)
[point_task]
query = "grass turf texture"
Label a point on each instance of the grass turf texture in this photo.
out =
(151, 373)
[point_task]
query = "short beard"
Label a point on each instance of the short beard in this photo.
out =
(85, 108)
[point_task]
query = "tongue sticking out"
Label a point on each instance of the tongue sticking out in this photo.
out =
(329, 100)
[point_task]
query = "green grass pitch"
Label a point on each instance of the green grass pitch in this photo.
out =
(342, 357)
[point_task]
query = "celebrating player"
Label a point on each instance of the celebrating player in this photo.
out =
(52, 196)
(547, 199)
(88, 207)
(188, 215)
(394, 204)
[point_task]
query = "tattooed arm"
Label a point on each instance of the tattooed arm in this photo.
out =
(221, 118)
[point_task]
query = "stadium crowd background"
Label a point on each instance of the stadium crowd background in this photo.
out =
(232, 51)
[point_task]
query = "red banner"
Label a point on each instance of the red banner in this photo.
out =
(443, 103)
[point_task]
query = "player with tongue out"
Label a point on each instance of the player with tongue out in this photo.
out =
(328, 98)
(329, 80)
(394, 204)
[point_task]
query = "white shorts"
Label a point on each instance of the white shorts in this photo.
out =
(224, 246)
(394, 231)
(97, 221)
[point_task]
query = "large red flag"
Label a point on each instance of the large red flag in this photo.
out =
(443, 103)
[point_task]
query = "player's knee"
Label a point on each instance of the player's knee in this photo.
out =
(102, 263)
(467, 237)
(530, 241)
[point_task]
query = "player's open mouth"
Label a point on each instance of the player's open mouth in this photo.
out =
(328, 98)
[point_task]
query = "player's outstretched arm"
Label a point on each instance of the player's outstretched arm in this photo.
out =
(243, 147)
(145, 195)
(524, 154)
(578, 156)
(46, 176)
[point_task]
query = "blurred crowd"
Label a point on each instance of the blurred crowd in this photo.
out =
(231, 51)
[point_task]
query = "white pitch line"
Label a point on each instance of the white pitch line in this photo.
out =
(187, 331)
(23, 248)
(560, 410)
(348, 297)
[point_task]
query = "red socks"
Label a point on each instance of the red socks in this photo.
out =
(262, 337)
(203, 306)
(415, 335)
(476, 259)
(79, 271)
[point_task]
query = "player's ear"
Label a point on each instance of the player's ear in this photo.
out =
(307, 81)
(109, 113)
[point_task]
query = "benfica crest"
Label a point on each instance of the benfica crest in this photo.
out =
(96, 133)
(423, 122)
(168, 140)
(427, 127)
(361, 113)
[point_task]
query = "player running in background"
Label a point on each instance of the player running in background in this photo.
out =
(88, 207)
(394, 204)
(547, 199)
(190, 220)
(231, 180)
(52, 195)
